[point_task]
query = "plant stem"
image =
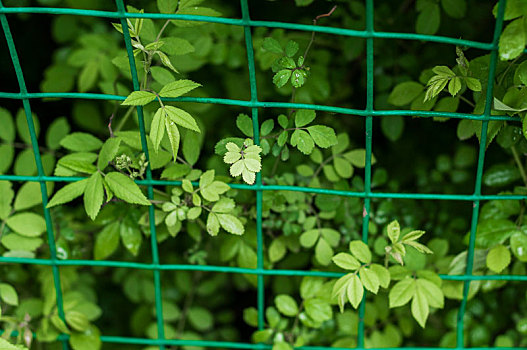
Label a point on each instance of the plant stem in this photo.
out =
(313, 33)
(315, 174)
(125, 119)
(519, 164)
(162, 30)
(293, 94)
(464, 99)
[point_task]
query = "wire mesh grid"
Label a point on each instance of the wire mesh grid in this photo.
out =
(369, 113)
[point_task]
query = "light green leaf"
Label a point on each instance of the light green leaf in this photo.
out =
(245, 124)
(281, 77)
(162, 75)
(27, 224)
(81, 142)
(124, 188)
(402, 292)
(200, 318)
(277, 250)
(191, 148)
(68, 193)
(281, 345)
(88, 76)
(107, 241)
(382, 274)
(286, 305)
(443, 71)
(301, 140)
(213, 224)
(512, 40)
(23, 129)
(318, 309)
(131, 236)
(323, 252)
(309, 238)
(434, 294)
(454, 86)
(7, 132)
(494, 231)
(473, 83)
(346, 261)
(420, 307)
(182, 118)
(28, 196)
(167, 6)
(519, 246)
(298, 78)
(108, 152)
(175, 46)
(77, 320)
(89, 340)
(291, 48)
(231, 224)
(393, 229)
(173, 136)
(361, 251)
(412, 236)
(324, 136)
(5, 345)
(178, 88)
(355, 290)
(58, 129)
(271, 45)
(8, 294)
(6, 197)
(94, 195)
(404, 93)
(166, 61)
(304, 117)
(369, 279)
(498, 258)
(343, 167)
(139, 98)
(250, 316)
(157, 128)
(17, 242)
(8, 152)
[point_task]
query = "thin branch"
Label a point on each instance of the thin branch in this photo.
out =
(519, 164)
(313, 33)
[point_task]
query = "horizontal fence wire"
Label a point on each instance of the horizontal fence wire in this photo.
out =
(258, 104)
(369, 34)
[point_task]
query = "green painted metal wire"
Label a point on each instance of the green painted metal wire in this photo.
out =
(479, 173)
(258, 104)
(369, 113)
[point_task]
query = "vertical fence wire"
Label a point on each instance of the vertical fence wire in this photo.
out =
(369, 112)
(479, 174)
(150, 189)
(259, 195)
(40, 170)
(368, 147)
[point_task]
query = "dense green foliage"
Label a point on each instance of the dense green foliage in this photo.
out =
(216, 151)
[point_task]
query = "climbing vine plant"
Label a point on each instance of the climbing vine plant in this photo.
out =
(230, 187)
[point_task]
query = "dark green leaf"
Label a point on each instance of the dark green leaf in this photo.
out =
(107, 241)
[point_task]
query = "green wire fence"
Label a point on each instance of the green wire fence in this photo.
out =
(369, 113)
